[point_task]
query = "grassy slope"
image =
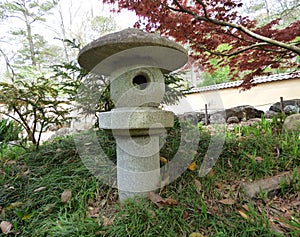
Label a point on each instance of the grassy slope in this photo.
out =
(32, 184)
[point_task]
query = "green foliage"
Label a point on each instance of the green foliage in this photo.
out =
(34, 105)
(220, 74)
(9, 130)
(34, 49)
(34, 207)
(103, 25)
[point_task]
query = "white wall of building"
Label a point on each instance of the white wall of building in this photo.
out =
(261, 97)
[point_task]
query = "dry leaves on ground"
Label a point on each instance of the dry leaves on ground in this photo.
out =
(227, 201)
(161, 202)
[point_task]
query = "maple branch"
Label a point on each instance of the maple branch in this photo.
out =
(233, 53)
(241, 28)
(204, 7)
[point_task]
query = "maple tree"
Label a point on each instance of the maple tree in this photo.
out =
(218, 30)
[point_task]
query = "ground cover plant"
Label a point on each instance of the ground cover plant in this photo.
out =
(49, 192)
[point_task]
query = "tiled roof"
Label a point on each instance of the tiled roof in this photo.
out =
(257, 80)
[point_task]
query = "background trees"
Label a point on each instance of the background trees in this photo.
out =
(205, 26)
(40, 75)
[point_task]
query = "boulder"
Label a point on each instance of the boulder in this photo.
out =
(233, 119)
(292, 123)
(244, 112)
(286, 105)
(189, 116)
(270, 114)
(217, 118)
(291, 109)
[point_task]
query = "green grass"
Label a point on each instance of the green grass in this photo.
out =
(32, 184)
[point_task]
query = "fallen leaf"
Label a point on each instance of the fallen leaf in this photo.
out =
(66, 196)
(227, 201)
(193, 166)
(258, 159)
(219, 185)
(168, 202)
(195, 234)
(26, 217)
(163, 160)
(210, 173)
(161, 202)
(198, 185)
(242, 214)
(39, 189)
(25, 173)
(93, 212)
(14, 205)
(185, 215)
(245, 206)
(5, 227)
(107, 221)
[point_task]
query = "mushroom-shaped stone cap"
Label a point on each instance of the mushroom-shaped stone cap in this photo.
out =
(130, 48)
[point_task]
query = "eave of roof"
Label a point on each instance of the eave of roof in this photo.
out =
(257, 80)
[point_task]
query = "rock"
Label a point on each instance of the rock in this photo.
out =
(217, 118)
(236, 114)
(292, 123)
(276, 107)
(291, 109)
(270, 113)
(252, 112)
(233, 119)
(189, 116)
(201, 116)
(244, 112)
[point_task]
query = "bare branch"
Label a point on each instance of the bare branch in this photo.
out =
(8, 66)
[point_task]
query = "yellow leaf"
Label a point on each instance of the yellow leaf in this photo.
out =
(163, 160)
(14, 205)
(245, 216)
(193, 166)
(27, 216)
(196, 234)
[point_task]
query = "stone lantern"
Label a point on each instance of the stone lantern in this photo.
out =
(135, 62)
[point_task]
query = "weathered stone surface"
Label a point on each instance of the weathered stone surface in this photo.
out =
(270, 114)
(291, 109)
(233, 119)
(112, 51)
(189, 116)
(292, 123)
(136, 122)
(135, 62)
(243, 112)
(286, 105)
(217, 118)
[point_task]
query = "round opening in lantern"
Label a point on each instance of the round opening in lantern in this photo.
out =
(140, 81)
